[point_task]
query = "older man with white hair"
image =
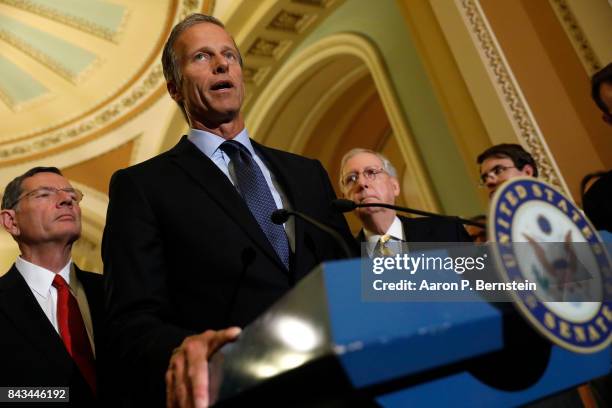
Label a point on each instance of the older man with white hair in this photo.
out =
(369, 177)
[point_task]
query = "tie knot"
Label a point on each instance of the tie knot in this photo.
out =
(231, 147)
(385, 238)
(59, 282)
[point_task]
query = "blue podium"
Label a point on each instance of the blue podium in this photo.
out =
(322, 345)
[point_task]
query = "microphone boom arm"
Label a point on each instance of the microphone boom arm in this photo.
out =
(344, 205)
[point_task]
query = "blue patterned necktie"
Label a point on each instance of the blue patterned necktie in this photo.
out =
(256, 193)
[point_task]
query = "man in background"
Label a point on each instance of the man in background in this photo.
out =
(503, 162)
(596, 194)
(498, 164)
(601, 92)
(50, 310)
(596, 201)
(367, 177)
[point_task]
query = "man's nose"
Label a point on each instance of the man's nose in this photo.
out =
(65, 199)
(362, 181)
(221, 65)
(492, 182)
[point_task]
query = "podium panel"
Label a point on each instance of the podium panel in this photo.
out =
(322, 344)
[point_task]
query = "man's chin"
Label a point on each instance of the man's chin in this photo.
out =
(368, 210)
(69, 233)
(369, 200)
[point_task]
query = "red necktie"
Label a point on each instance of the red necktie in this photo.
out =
(72, 330)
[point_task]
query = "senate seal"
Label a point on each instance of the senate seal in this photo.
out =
(541, 236)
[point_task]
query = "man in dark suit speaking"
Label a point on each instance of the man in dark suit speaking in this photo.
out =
(50, 311)
(367, 177)
(188, 244)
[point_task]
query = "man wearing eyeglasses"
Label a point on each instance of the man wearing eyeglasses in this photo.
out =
(50, 310)
(366, 177)
(504, 162)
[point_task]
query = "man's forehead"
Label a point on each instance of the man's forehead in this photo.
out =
(46, 179)
(203, 34)
(495, 160)
(361, 160)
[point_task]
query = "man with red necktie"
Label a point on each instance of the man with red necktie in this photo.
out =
(50, 310)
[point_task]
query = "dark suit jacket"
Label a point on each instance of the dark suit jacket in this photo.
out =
(182, 253)
(429, 229)
(31, 351)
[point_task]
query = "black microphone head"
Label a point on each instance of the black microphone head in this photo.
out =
(280, 216)
(343, 205)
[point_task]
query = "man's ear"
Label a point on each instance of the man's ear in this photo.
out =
(174, 92)
(528, 170)
(396, 186)
(9, 221)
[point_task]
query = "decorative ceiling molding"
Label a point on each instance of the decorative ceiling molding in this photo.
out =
(60, 56)
(91, 127)
(100, 18)
(291, 22)
(150, 127)
(114, 109)
(511, 96)
(576, 35)
(18, 89)
(277, 31)
(349, 51)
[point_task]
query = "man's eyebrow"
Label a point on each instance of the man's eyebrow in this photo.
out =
(229, 48)
(203, 48)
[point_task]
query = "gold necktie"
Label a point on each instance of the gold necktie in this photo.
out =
(383, 249)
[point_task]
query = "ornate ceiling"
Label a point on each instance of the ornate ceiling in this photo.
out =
(73, 70)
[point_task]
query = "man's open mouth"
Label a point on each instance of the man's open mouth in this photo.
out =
(221, 85)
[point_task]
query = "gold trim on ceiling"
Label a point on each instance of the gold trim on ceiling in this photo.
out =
(53, 64)
(145, 91)
(42, 147)
(268, 47)
(512, 98)
(73, 21)
(146, 66)
(579, 41)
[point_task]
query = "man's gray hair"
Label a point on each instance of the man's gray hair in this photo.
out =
(172, 73)
(386, 164)
(14, 189)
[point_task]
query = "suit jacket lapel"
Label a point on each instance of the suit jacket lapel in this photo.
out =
(208, 176)
(94, 292)
(287, 180)
(18, 303)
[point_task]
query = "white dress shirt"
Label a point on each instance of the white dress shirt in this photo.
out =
(40, 282)
(209, 144)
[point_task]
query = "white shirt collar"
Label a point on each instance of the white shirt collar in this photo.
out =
(209, 143)
(39, 278)
(395, 231)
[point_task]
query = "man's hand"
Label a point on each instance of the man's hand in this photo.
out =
(187, 376)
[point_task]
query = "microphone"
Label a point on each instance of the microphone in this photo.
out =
(281, 216)
(344, 205)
